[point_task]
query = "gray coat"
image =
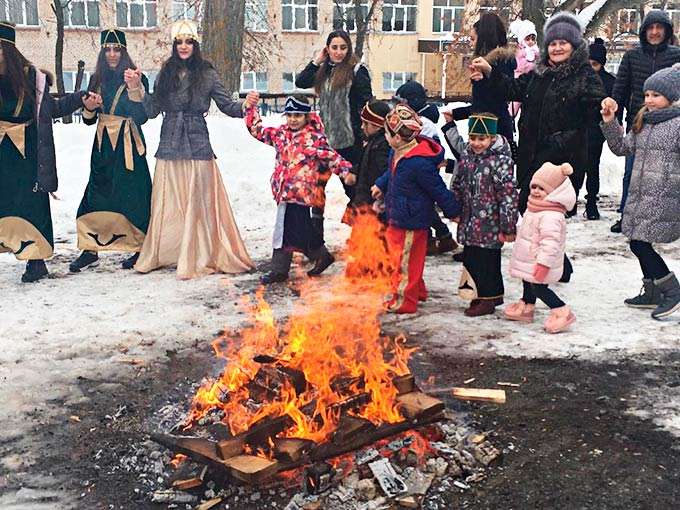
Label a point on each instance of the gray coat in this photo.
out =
(184, 133)
(652, 211)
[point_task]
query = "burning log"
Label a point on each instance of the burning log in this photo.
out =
(251, 469)
(350, 427)
(291, 449)
(200, 449)
(417, 405)
(270, 380)
(404, 383)
(231, 447)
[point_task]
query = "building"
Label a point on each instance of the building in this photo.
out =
(405, 41)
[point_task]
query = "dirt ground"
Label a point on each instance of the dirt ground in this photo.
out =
(568, 439)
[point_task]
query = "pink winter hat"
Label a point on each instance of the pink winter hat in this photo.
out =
(549, 176)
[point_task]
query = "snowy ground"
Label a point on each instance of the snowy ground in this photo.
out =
(100, 321)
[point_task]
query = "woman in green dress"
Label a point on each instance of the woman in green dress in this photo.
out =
(27, 159)
(114, 212)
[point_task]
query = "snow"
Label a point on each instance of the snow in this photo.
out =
(586, 15)
(94, 323)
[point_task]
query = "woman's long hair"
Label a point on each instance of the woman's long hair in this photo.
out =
(491, 34)
(100, 72)
(168, 78)
(343, 73)
(16, 67)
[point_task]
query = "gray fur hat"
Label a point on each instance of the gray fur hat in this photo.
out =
(563, 25)
(665, 82)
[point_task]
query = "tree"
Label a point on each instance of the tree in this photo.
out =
(357, 18)
(58, 8)
(223, 31)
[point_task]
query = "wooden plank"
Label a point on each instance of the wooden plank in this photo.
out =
(231, 447)
(417, 405)
(291, 449)
(404, 383)
(483, 395)
(198, 448)
(350, 427)
(251, 469)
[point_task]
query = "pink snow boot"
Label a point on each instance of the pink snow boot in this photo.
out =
(560, 319)
(519, 311)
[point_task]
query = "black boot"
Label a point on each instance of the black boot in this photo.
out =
(281, 260)
(322, 259)
(130, 262)
(35, 270)
(670, 292)
(616, 227)
(649, 297)
(591, 210)
(85, 259)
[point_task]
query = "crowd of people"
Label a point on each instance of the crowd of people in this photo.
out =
(536, 127)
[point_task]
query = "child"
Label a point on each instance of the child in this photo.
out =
(411, 186)
(527, 52)
(652, 211)
(304, 161)
(538, 254)
(485, 187)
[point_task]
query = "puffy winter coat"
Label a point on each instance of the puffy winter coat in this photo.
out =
(304, 160)
(526, 57)
(541, 238)
(373, 165)
(557, 105)
(640, 63)
(413, 186)
(485, 188)
(652, 211)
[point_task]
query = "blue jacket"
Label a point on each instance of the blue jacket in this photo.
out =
(413, 187)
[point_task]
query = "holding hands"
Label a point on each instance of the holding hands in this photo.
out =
(351, 179)
(252, 98)
(609, 109)
(133, 78)
(507, 238)
(92, 101)
(376, 192)
(479, 68)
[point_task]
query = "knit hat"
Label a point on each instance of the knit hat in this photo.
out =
(523, 28)
(563, 25)
(549, 176)
(597, 51)
(666, 82)
(413, 93)
(375, 113)
(295, 106)
(403, 121)
(113, 37)
(483, 124)
(7, 32)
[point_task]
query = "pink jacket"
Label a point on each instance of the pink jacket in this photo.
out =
(526, 57)
(541, 238)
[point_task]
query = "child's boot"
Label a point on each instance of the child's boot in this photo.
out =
(560, 319)
(649, 297)
(670, 292)
(520, 312)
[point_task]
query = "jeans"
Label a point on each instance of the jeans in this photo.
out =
(630, 160)
(652, 265)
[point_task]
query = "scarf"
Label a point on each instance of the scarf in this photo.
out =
(538, 205)
(662, 115)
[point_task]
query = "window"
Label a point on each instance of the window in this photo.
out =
(185, 9)
(447, 15)
(343, 14)
(70, 80)
(256, 16)
(289, 82)
(399, 15)
(82, 13)
(393, 80)
(503, 10)
(136, 13)
(628, 21)
(251, 80)
(21, 12)
(299, 15)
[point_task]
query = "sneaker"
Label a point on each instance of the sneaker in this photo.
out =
(520, 312)
(559, 320)
(616, 227)
(35, 270)
(130, 262)
(321, 264)
(85, 259)
(272, 277)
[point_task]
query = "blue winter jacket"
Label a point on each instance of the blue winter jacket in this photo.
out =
(414, 186)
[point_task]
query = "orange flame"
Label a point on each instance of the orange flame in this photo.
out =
(177, 460)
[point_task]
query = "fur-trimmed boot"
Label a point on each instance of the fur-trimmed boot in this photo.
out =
(649, 297)
(670, 296)
(520, 312)
(560, 319)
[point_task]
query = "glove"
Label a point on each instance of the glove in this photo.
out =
(540, 272)
(506, 238)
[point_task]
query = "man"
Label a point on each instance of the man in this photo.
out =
(655, 52)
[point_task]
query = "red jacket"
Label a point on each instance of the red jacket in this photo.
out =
(304, 160)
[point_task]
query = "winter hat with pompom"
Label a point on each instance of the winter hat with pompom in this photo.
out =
(597, 51)
(565, 26)
(666, 82)
(549, 176)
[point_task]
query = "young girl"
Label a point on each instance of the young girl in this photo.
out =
(526, 55)
(538, 254)
(304, 161)
(652, 210)
(485, 188)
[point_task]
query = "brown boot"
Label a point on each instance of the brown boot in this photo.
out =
(480, 307)
(446, 244)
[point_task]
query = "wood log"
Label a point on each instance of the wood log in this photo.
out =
(251, 469)
(198, 448)
(404, 383)
(417, 405)
(231, 447)
(350, 427)
(484, 395)
(291, 449)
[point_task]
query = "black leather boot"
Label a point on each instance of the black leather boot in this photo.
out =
(35, 270)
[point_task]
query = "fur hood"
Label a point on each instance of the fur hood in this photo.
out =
(501, 53)
(578, 59)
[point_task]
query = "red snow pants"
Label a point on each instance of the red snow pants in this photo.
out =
(407, 249)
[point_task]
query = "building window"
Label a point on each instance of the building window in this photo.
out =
(21, 12)
(399, 15)
(393, 80)
(185, 9)
(289, 82)
(299, 15)
(82, 14)
(136, 13)
(344, 14)
(256, 16)
(447, 15)
(70, 80)
(251, 80)
(628, 21)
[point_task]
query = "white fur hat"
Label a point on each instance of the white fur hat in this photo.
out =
(522, 28)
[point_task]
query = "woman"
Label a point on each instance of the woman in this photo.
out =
(491, 42)
(114, 212)
(192, 225)
(27, 160)
(344, 87)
